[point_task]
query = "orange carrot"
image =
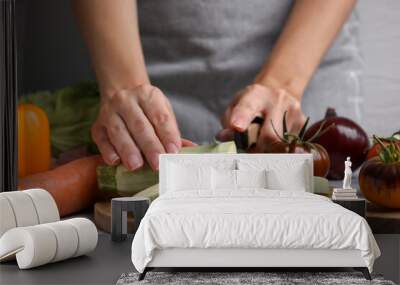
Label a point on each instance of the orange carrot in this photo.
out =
(72, 185)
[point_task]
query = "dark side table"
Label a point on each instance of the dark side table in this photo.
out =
(119, 210)
(357, 206)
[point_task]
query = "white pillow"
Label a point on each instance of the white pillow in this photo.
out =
(224, 179)
(182, 177)
(282, 174)
(251, 178)
(292, 180)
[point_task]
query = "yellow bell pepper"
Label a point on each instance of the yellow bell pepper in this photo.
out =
(33, 140)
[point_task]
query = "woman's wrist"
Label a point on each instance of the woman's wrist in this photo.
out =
(293, 85)
(107, 90)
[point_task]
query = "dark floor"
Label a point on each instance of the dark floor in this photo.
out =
(102, 266)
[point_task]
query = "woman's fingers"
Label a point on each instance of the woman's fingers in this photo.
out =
(186, 143)
(159, 112)
(249, 106)
(136, 124)
(297, 119)
(142, 132)
(271, 128)
(271, 104)
(225, 135)
(225, 119)
(123, 143)
(105, 147)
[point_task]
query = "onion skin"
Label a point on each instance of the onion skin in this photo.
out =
(344, 139)
(320, 155)
(380, 182)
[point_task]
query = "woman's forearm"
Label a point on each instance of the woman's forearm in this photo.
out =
(309, 31)
(135, 121)
(110, 29)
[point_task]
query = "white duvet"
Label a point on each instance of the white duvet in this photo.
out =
(250, 219)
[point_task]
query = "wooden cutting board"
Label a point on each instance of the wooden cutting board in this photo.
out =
(102, 217)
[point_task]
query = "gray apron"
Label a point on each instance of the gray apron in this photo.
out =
(201, 52)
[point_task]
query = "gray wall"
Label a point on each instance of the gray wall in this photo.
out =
(52, 55)
(380, 42)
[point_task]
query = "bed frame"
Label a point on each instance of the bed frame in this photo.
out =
(246, 259)
(242, 259)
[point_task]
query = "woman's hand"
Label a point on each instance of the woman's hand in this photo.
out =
(267, 102)
(136, 122)
(308, 33)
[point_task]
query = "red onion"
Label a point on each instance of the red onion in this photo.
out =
(345, 138)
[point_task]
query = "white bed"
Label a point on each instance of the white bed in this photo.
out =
(197, 224)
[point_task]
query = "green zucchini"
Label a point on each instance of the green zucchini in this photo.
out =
(125, 182)
(151, 193)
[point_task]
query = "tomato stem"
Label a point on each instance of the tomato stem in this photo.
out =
(321, 131)
(303, 129)
(388, 153)
(330, 112)
(276, 133)
(284, 126)
(299, 138)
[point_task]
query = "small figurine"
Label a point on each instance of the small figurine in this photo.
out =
(346, 192)
(347, 174)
